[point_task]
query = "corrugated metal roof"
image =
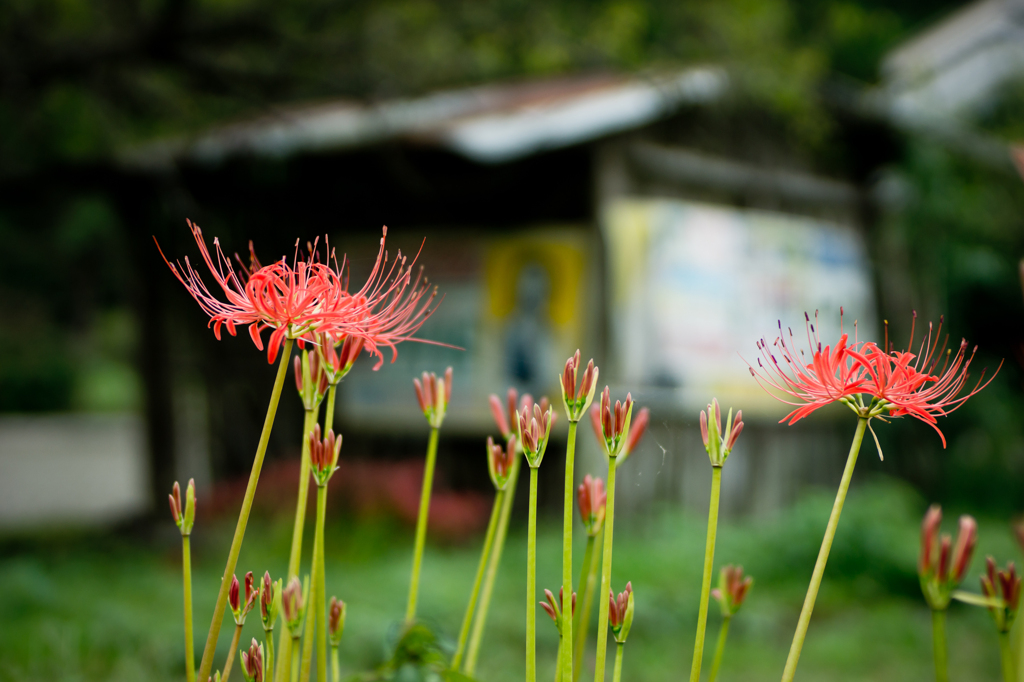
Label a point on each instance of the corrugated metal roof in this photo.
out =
(489, 124)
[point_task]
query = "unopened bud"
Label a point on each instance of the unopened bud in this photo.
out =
(184, 515)
(336, 620)
(576, 399)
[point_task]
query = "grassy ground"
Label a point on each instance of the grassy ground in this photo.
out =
(109, 609)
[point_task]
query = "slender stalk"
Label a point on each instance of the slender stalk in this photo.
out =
(480, 619)
(582, 618)
(617, 672)
(606, 576)
(1006, 656)
(329, 415)
(243, 516)
(421, 525)
(231, 653)
(531, 583)
(709, 562)
(716, 662)
(826, 545)
(268, 662)
(567, 507)
(186, 570)
(320, 604)
(485, 553)
(311, 617)
(939, 646)
(285, 642)
(293, 671)
(335, 665)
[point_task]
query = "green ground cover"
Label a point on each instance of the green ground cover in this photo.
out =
(109, 608)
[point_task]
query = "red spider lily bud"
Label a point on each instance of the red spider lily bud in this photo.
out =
(500, 460)
(945, 548)
(252, 662)
(1003, 586)
(336, 620)
(310, 377)
(185, 517)
(323, 455)
(613, 429)
(293, 605)
(592, 498)
(620, 613)
(964, 548)
(534, 430)
(338, 363)
(719, 443)
(637, 431)
(943, 565)
(433, 395)
(929, 537)
(498, 412)
(215, 677)
(732, 589)
(270, 601)
(242, 604)
(577, 400)
(554, 609)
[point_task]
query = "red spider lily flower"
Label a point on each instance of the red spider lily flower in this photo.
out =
(323, 455)
(718, 443)
(500, 460)
(293, 605)
(732, 589)
(620, 612)
(336, 620)
(591, 497)
(908, 384)
(185, 517)
(577, 400)
(252, 662)
(270, 601)
(534, 431)
(942, 566)
(832, 374)
(433, 395)
(611, 423)
(240, 607)
(290, 299)
(554, 609)
(1004, 586)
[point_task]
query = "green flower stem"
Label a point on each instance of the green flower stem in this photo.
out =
(421, 525)
(285, 643)
(582, 618)
(480, 619)
(268, 662)
(231, 653)
(312, 615)
(485, 553)
(243, 516)
(320, 604)
(295, 647)
(716, 662)
(531, 583)
(329, 416)
(826, 545)
(1006, 656)
(617, 672)
(606, 576)
(186, 570)
(335, 665)
(939, 646)
(709, 562)
(567, 508)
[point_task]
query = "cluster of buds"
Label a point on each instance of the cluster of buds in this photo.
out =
(270, 601)
(942, 565)
(310, 378)
(719, 443)
(577, 397)
(620, 613)
(732, 589)
(185, 516)
(433, 395)
(323, 455)
(293, 605)
(534, 431)
(240, 607)
(500, 460)
(336, 620)
(338, 359)
(591, 498)
(252, 662)
(554, 608)
(506, 416)
(1003, 589)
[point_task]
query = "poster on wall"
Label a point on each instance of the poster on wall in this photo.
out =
(693, 286)
(515, 305)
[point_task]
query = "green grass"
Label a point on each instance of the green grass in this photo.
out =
(110, 609)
